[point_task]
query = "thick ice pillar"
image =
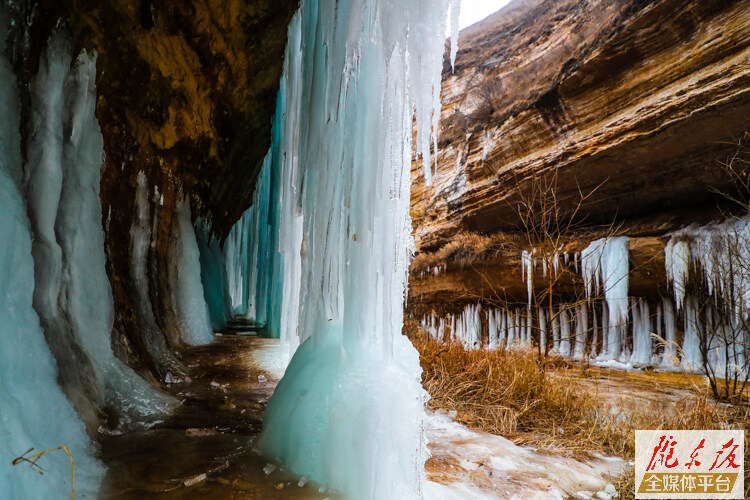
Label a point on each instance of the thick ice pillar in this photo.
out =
(349, 409)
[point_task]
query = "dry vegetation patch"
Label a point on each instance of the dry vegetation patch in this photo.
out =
(535, 401)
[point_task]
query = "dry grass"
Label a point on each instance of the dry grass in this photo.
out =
(504, 392)
(466, 248)
(532, 401)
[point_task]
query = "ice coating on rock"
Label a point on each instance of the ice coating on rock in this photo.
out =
(185, 279)
(29, 393)
(72, 294)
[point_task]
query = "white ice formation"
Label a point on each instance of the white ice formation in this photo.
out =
(29, 393)
(699, 325)
(321, 258)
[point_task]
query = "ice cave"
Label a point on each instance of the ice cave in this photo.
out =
(368, 249)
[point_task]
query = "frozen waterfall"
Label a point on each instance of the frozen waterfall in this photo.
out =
(72, 294)
(29, 393)
(322, 256)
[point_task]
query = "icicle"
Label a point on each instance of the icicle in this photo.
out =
(455, 14)
(582, 328)
(641, 334)
(565, 331)
(469, 327)
(527, 272)
(556, 263)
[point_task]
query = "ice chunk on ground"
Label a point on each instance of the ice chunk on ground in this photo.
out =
(507, 470)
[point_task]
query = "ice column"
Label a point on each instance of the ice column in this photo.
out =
(677, 258)
(543, 328)
(565, 331)
(582, 329)
(492, 329)
(641, 333)
(691, 344)
(185, 280)
(349, 409)
(34, 412)
(671, 349)
(605, 264)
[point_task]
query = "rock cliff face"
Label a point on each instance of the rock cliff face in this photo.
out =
(631, 109)
(186, 94)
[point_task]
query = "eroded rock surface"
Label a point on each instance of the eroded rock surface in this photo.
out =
(636, 105)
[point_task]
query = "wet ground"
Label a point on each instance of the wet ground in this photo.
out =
(204, 449)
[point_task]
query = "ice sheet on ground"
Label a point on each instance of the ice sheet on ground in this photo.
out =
(272, 356)
(502, 469)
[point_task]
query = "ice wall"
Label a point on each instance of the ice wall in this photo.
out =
(72, 294)
(34, 412)
(349, 409)
(185, 280)
(253, 255)
(709, 274)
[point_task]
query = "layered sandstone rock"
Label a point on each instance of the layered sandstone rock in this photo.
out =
(634, 106)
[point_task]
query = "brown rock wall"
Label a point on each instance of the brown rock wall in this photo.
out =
(638, 102)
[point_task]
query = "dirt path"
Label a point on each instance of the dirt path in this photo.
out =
(203, 449)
